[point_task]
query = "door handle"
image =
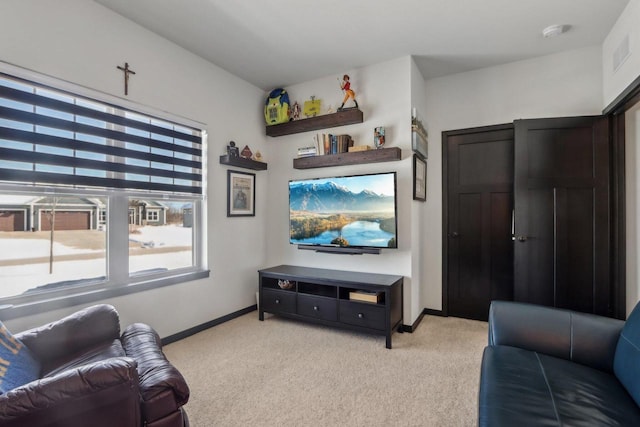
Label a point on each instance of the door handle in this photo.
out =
(521, 238)
(454, 234)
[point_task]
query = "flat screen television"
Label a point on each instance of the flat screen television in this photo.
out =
(351, 212)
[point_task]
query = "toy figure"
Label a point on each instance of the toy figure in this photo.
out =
(345, 85)
(295, 111)
(378, 137)
(232, 150)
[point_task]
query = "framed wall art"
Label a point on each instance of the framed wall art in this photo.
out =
(241, 193)
(419, 178)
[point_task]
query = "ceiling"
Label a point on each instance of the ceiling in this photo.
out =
(277, 43)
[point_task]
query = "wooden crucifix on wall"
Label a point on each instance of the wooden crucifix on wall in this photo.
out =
(126, 71)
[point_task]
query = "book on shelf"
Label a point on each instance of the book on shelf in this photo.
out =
(328, 143)
(365, 296)
(307, 151)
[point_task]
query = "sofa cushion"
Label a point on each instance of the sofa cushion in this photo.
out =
(17, 364)
(626, 363)
(53, 343)
(580, 337)
(523, 387)
(97, 353)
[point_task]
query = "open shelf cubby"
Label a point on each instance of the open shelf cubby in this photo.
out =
(318, 290)
(346, 294)
(341, 118)
(272, 283)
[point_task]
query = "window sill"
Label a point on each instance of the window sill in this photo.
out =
(97, 293)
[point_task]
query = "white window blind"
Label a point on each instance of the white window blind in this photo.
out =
(48, 136)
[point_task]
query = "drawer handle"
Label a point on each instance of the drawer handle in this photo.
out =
(316, 308)
(277, 301)
(360, 316)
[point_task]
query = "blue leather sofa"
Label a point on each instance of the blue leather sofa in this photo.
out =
(551, 367)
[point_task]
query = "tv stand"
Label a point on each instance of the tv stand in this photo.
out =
(333, 298)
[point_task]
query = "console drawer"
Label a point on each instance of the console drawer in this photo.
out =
(362, 314)
(318, 307)
(275, 301)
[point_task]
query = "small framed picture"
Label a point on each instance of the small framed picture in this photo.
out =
(241, 193)
(419, 143)
(419, 178)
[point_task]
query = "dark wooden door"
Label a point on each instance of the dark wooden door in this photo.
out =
(562, 214)
(479, 203)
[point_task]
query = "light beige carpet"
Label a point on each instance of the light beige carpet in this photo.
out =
(285, 373)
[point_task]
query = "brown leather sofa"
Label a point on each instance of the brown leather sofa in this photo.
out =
(93, 376)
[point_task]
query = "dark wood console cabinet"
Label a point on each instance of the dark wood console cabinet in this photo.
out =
(324, 296)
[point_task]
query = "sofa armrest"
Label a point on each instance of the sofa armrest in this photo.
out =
(580, 337)
(103, 393)
(163, 388)
(72, 334)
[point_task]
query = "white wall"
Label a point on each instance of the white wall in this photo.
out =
(383, 94)
(83, 42)
(564, 84)
(627, 25)
(632, 208)
(419, 218)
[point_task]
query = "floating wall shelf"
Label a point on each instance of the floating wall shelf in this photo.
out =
(390, 154)
(241, 162)
(341, 118)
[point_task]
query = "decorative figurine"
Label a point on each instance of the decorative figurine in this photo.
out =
(246, 152)
(276, 107)
(257, 157)
(345, 85)
(295, 111)
(378, 137)
(312, 108)
(232, 150)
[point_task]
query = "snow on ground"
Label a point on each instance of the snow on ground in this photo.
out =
(167, 235)
(14, 280)
(17, 279)
(148, 236)
(35, 248)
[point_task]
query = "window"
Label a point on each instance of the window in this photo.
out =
(164, 241)
(50, 242)
(87, 188)
(153, 215)
(102, 217)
